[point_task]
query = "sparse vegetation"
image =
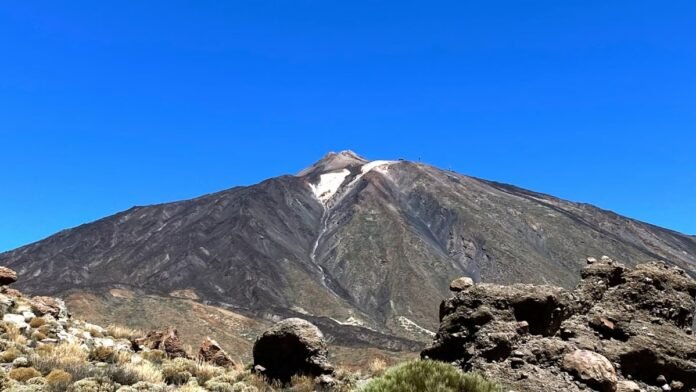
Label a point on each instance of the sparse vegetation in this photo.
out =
(426, 375)
(48, 354)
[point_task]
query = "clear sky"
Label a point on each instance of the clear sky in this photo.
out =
(105, 105)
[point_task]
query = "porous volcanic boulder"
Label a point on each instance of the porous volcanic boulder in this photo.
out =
(211, 352)
(165, 340)
(620, 328)
(292, 346)
(7, 276)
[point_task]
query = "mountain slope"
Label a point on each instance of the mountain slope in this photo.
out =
(371, 244)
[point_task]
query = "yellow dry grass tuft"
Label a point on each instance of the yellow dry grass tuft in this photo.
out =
(121, 332)
(145, 371)
(23, 374)
(377, 366)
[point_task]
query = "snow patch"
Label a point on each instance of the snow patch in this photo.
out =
(374, 164)
(328, 184)
(411, 326)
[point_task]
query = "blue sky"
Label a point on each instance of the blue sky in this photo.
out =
(105, 105)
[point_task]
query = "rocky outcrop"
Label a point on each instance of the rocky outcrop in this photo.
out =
(166, 340)
(291, 347)
(7, 276)
(620, 329)
(211, 352)
(49, 305)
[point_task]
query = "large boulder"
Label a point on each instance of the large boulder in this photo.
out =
(211, 352)
(291, 347)
(7, 276)
(635, 323)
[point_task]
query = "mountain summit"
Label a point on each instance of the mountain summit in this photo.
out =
(367, 245)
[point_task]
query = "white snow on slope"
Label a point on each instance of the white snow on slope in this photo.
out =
(328, 184)
(371, 165)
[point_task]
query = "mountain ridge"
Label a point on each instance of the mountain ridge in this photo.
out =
(368, 243)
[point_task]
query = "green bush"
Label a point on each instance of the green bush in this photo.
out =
(429, 376)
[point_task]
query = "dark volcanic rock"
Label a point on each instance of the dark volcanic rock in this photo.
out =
(7, 276)
(291, 347)
(619, 327)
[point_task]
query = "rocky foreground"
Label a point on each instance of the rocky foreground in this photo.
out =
(43, 349)
(620, 330)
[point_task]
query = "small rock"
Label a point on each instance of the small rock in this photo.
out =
(627, 386)
(661, 379)
(461, 284)
(325, 381)
(516, 363)
(16, 319)
(591, 260)
(28, 316)
(20, 362)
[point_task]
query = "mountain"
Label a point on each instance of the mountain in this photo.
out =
(365, 249)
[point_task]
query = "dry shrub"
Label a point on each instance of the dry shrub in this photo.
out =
(205, 371)
(45, 329)
(302, 384)
(23, 374)
(103, 354)
(36, 322)
(67, 356)
(38, 336)
(70, 352)
(145, 371)
(178, 371)
(13, 333)
(154, 356)
(121, 332)
(58, 379)
(377, 366)
(261, 383)
(44, 349)
(10, 354)
(191, 387)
